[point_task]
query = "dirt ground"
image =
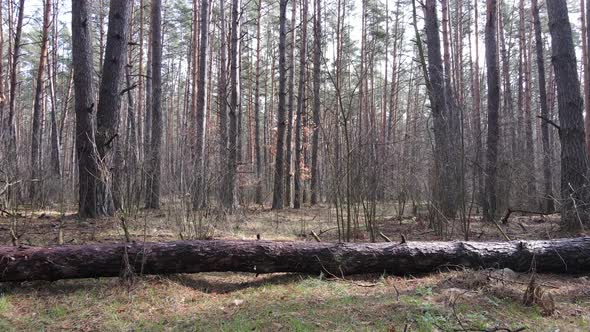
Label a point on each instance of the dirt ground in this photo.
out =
(486, 300)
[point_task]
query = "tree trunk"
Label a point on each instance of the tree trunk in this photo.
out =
(257, 148)
(2, 96)
(444, 190)
(586, 69)
(109, 102)
(279, 180)
(199, 192)
(227, 191)
(85, 106)
(52, 70)
(110, 260)
(290, 108)
(301, 109)
(10, 126)
(477, 132)
(234, 107)
(153, 178)
(493, 110)
(34, 189)
(547, 177)
(574, 193)
(317, 52)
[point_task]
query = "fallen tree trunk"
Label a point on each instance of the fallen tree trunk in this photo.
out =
(108, 260)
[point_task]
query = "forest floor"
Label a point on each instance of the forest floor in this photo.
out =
(445, 301)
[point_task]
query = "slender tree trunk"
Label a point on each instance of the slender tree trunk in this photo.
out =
(547, 177)
(279, 180)
(157, 123)
(234, 108)
(317, 52)
(477, 132)
(291, 107)
(493, 78)
(227, 191)
(508, 100)
(52, 70)
(10, 126)
(147, 134)
(109, 101)
(444, 189)
(257, 148)
(586, 68)
(301, 107)
(2, 96)
(85, 107)
(574, 167)
(199, 192)
(34, 189)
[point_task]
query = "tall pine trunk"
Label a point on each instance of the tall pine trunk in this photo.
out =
(234, 108)
(547, 186)
(279, 176)
(301, 108)
(154, 167)
(199, 192)
(493, 79)
(109, 102)
(574, 167)
(34, 189)
(257, 147)
(85, 106)
(317, 52)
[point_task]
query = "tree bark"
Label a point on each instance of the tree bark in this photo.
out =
(257, 147)
(227, 191)
(10, 126)
(199, 192)
(234, 108)
(153, 178)
(109, 260)
(547, 177)
(84, 106)
(317, 52)
(493, 78)
(290, 108)
(574, 194)
(2, 96)
(585, 68)
(34, 192)
(278, 190)
(444, 189)
(301, 109)
(109, 102)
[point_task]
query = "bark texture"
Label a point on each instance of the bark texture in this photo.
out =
(278, 191)
(317, 52)
(107, 260)
(493, 110)
(153, 179)
(574, 194)
(547, 186)
(109, 102)
(84, 106)
(34, 192)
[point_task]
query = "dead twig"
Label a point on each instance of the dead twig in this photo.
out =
(384, 237)
(315, 236)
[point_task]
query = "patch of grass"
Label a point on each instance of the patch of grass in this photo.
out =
(57, 312)
(4, 304)
(423, 291)
(432, 321)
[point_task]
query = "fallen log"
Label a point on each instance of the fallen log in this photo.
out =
(108, 260)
